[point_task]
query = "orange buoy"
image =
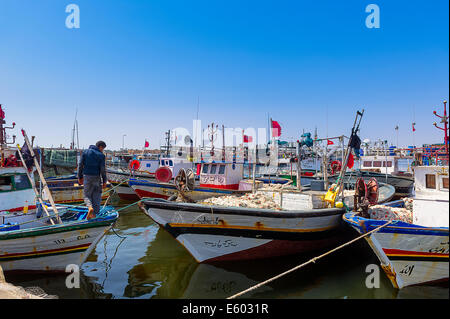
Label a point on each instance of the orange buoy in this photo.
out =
(134, 165)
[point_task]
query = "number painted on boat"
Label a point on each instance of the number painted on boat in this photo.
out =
(209, 221)
(407, 270)
(59, 241)
(81, 237)
(220, 244)
(443, 249)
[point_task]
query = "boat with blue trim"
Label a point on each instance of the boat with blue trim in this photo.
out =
(414, 250)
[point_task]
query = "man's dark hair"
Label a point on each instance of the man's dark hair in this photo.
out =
(100, 144)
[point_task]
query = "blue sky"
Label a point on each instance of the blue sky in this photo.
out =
(138, 67)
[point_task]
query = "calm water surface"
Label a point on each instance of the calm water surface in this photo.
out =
(149, 263)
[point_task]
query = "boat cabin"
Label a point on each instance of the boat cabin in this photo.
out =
(148, 165)
(222, 175)
(431, 186)
(393, 165)
(174, 164)
(15, 189)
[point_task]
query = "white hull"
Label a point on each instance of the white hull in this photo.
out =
(214, 236)
(43, 251)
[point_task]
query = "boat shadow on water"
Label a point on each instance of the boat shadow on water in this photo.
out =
(147, 262)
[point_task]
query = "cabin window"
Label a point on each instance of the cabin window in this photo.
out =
(170, 163)
(21, 182)
(376, 163)
(367, 163)
(430, 181)
(162, 163)
(205, 168)
(148, 165)
(445, 182)
(213, 169)
(5, 183)
(222, 169)
(387, 164)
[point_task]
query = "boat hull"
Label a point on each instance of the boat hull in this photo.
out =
(50, 248)
(409, 254)
(212, 234)
(147, 189)
(71, 194)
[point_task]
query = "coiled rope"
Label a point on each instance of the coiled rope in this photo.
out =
(313, 260)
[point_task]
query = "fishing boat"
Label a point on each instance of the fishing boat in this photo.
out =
(30, 242)
(403, 184)
(211, 233)
(144, 170)
(215, 179)
(412, 250)
(43, 236)
(66, 190)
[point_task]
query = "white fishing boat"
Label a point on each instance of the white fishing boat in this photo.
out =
(34, 237)
(216, 179)
(30, 242)
(412, 250)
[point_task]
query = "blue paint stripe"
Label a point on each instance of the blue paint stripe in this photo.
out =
(197, 189)
(397, 227)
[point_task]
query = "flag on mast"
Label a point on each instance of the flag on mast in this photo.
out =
(276, 128)
(147, 144)
(330, 142)
(413, 128)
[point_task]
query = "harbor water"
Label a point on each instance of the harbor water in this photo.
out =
(140, 260)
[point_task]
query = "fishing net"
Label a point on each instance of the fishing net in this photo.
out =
(61, 158)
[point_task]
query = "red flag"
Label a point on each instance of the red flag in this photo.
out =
(147, 144)
(414, 129)
(248, 139)
(351, 161)
(276, 129)
(2, 114)
(329, 142)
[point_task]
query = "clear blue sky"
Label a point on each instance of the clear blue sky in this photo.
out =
(137, 67)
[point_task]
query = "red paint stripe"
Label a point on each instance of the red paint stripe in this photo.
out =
(408, 252)
(141, 193)
(277, 248)
(46, 251)
(17, 209)
(127, 196)
(231, 187)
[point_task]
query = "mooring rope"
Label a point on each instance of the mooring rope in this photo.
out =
(313, 260)
(114, 187)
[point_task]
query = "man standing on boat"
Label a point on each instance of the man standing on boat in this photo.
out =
(92, 173)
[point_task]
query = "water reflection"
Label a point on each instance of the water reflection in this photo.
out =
(147, 262)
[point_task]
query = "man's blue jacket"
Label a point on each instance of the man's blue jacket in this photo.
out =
(92, 162)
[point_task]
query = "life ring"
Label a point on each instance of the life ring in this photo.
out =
(163, 174)
(134, 165)
(335, 166)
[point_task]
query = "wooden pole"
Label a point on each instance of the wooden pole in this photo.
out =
(38, 196)
(41, 176)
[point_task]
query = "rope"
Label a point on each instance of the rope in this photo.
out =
(112, 188)
(313, 260)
